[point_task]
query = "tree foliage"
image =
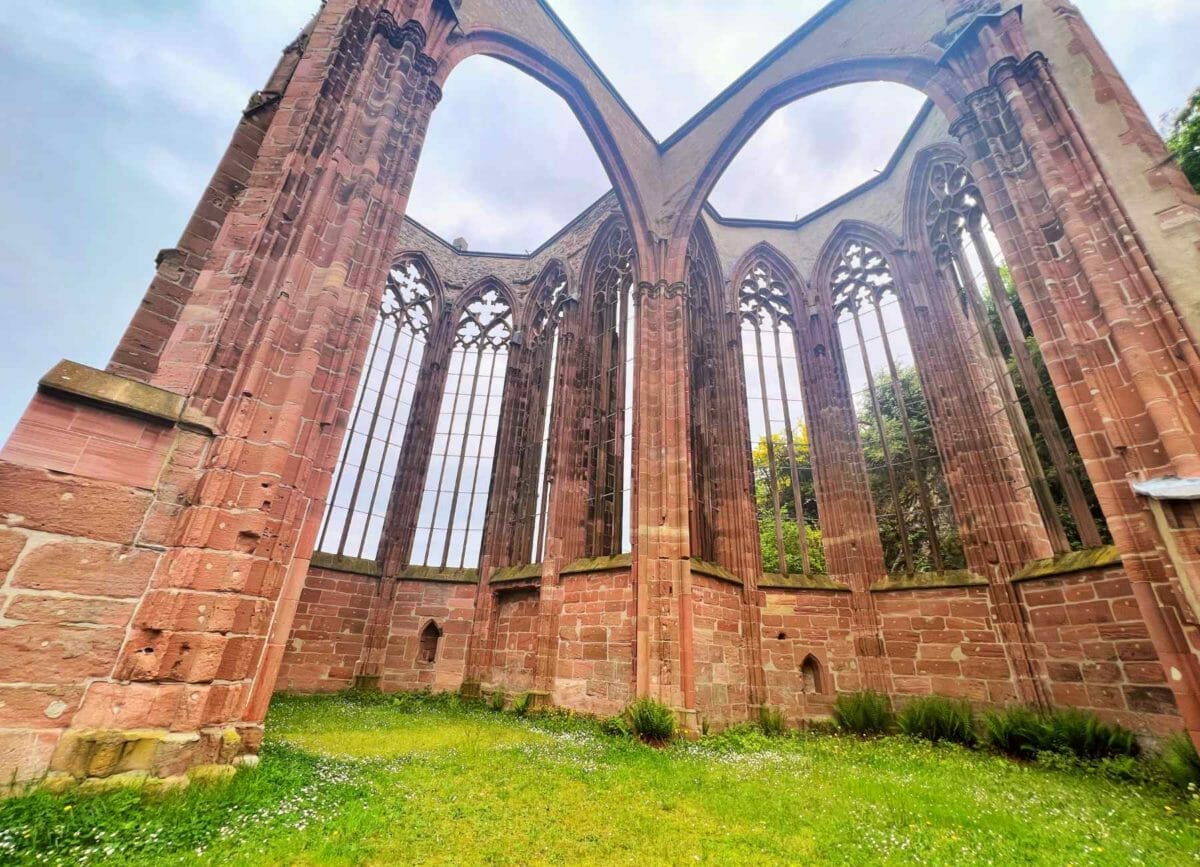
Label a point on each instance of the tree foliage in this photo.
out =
(1183, 139)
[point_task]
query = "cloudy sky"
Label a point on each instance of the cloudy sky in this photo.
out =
(118, 110)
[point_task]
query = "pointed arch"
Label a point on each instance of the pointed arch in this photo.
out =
(812, 676)
(428, 642)
(858, 273)
(764, 251)
(534, 62)
(356, 510)
(948, 225)
(609, 310)
(553, 292)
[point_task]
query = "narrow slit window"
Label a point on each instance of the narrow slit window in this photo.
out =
(366, 469)
(547, 336)
(783, 479)
(614, 323)
(454, 500)
(427, 645)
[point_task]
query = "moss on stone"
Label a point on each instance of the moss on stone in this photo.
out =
(1072, 561)
(929, 581)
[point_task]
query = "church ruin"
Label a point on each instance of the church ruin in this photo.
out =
(940, 436)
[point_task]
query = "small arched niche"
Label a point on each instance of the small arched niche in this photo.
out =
(428, 644)
(812, 676)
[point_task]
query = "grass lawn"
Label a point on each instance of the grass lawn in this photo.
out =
(404, 779)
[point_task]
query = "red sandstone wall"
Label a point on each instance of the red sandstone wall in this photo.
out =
(796, 623)
(71, 573)
(327, 635)
(514, 655)
(452, 606)
(1096, 650)
(596, 643)
(720, 660)
(942, 640)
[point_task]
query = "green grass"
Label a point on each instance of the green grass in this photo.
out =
(352, 780)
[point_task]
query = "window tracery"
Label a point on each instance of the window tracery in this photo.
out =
(354, 517)
(784, 495)
(912, 504)
(966, 250)
(614, 324)
(552, 303)
(454, 499)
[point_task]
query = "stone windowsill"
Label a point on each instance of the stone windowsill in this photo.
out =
(712, 570)
(773, 581)
(1072, 561)
(929, 581)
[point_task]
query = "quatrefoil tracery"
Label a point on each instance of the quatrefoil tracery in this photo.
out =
(408, 298)
(862, 277)
(486, 322)
(763, 297)
(952, 200)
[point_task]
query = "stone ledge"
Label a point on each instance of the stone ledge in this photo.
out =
(342, 563)
(127, 395)
(516, 573)
(438, 575)
(774, 581)
(1072, 561)
(712, 570)
(929, 581)
(598, 564)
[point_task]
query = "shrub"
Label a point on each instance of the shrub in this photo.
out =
(523, 703)
(496, 702)
(1017, 731)
(1179, 761)
(616, 727)
(935, 718)
(1086, 736)
(771, 722)
(651, 720)
(864, 713)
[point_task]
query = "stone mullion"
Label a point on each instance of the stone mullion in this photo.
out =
(1012, 408)
(404, 503)
(662, 549)
(1103, 372)
(1043, 413)
(849, 527)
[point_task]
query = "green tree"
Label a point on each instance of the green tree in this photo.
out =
(793, 552)
(1183, 139)
(910, 476)
(1060, 418)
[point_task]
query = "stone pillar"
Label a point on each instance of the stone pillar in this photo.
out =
(996, 512)
(661, 548)
(849, 529)
(266, 358)
(1123, 363)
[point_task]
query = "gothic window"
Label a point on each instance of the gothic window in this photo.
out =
(363, 480)
(551, 307)
(912, 504)
(966, 251)
(614, 324)
(782, 466)
(427, 645)
(454, 499)
(810, 673)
